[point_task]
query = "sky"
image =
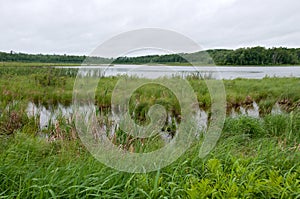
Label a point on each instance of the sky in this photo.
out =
(79, 26)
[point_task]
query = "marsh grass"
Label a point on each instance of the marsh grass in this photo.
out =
(50, 86)
(13, 117)
(254, 158)
(34, 64)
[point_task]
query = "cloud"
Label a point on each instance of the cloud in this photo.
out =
(78, 26)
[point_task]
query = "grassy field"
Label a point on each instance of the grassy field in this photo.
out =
(50, 86)
(34, 64)
(254, 158)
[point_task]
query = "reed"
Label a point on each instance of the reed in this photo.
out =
(243, 164)
(254, 157)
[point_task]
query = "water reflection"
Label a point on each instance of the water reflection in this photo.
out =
(220, 72)
(251, 110)
(109, 120)
(48, 116)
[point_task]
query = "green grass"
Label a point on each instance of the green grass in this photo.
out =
(51, 86)
(250, 160)
(254, 157)
(34, 64)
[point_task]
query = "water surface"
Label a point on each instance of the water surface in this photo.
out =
(220, 72)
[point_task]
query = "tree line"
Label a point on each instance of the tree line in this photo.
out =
(257, 56)
(242, 56)
(40, 58)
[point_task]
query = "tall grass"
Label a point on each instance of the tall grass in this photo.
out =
(255, 158)
(51, 86)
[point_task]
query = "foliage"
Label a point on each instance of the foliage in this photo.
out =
(39, 58)
(12, 118)
(254, 157)
(258, 56)
(258, 167)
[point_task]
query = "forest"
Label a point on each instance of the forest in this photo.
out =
(40, 58)
(258, 56)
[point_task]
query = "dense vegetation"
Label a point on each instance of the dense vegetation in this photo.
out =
(258, 56)
(254, 158)
(39, 58)
(50, 86)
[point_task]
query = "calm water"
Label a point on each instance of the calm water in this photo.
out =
(48, 116)
(214, 72)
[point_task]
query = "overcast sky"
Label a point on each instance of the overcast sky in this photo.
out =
(79, 26)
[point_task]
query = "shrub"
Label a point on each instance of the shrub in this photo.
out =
(244, 125)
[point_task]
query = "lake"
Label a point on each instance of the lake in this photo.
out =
(220, 72)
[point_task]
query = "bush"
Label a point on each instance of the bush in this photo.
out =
(244, 125)
(276, 125)
(13, 118)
